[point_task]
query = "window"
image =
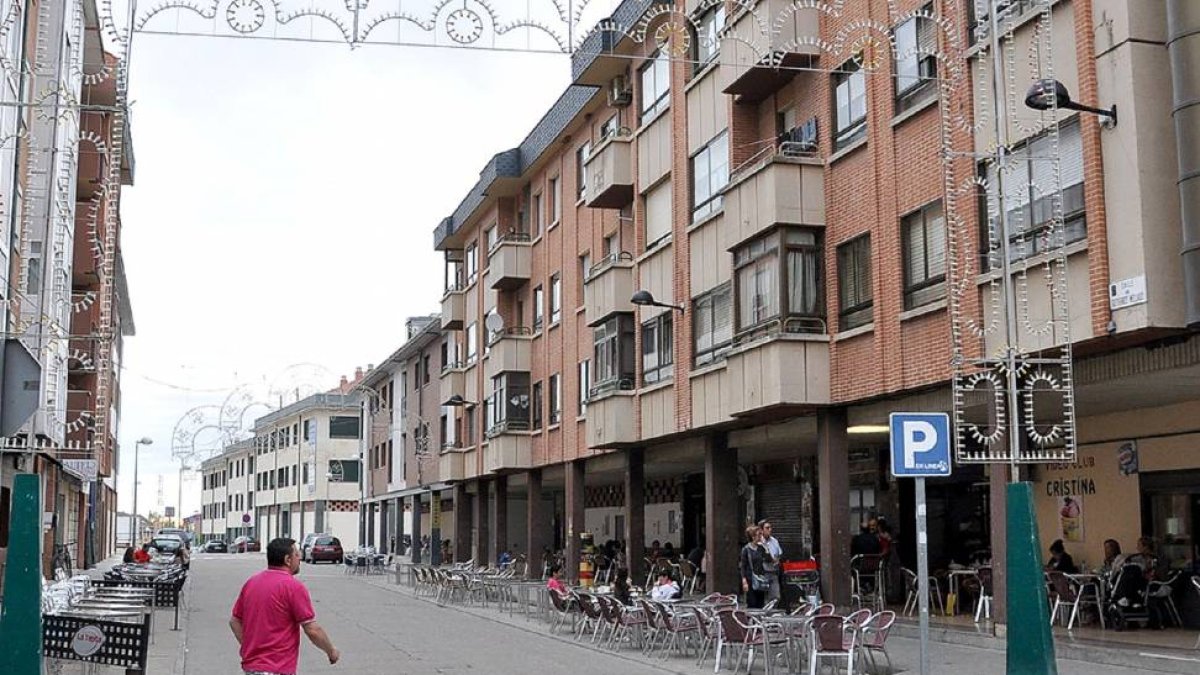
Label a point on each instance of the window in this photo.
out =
(537, 214)
(609, 128)
(924, 234)
(855, 299)
(712, 324)
(537, 406)
(612, 355)
(585, 383)
(778, 282)
(708, 34)
(472, 342)
(492, 237)
(612, 244)
(658, 214)
(555, 392)
(539, 308)
(33, 282)
(1030, 203)
(710, 175)
(555, 201)
(555, 299)
(581, 157)
(585, 266)
(656, 86)
(425, 366)
(469, 423)
(471, 263)
(916, 65)
(658, 358)
(523, 209)
(343, 426)
(509, 404)
(343, 471)
(850, 104)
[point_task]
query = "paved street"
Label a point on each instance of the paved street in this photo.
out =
(381, 628)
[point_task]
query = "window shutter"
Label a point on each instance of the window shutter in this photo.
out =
(1070, 146)
(914, 249)
(722, 316)
(935, 237)
(704, 323)
(658, 213)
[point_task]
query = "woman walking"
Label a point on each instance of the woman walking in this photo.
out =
(755, 582)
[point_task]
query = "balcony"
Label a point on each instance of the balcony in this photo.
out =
(610, 172)
(509, 451)
(454, 309)
(509, 262)
(509, 351)
(608, 288)
(610, 420)
(785, 370)
(764, 46)
(773, 189)
(454, 382)
(452, 464)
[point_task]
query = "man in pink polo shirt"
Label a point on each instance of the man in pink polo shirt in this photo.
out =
(270, 612)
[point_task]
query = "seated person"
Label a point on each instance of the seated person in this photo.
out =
(129, 553)
(620, 587)
(665, 588)
(865, 543)
(1113, 558)
(555, 583)
(142, 555)
(1060, 560)
(1146, 559)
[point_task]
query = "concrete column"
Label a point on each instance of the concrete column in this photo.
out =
(998, 506)
(576, 478)
(499, 508)
(635, 511)
(462, 523)
(833, 484)
(479, 540)
(398, 525)
(537, 526)
(723, 536)
(416, 526)
(385, 544)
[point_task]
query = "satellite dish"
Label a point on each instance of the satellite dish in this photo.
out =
(494, 322)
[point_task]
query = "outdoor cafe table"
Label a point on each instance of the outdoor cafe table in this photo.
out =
(524, 596)
(1091, 579)
(956, 577)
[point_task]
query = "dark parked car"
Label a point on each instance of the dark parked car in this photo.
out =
(326, 548)
(167, 544)
(246, 545)
(216, 546)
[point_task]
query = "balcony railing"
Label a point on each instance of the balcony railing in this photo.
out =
(454, 310)
(609, 287)
(775, 188)
(784, 370)
(766, 45)
(610, 172)
(509, 262)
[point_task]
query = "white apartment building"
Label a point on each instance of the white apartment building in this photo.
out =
(299, 473)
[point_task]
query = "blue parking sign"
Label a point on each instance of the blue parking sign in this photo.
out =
(920, 444)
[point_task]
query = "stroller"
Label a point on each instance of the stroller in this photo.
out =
(1128, 605)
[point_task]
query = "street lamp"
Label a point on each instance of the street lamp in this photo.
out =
(182, 467)
(133, 529)
(644, 298)
(457, 401)
(1049, 93)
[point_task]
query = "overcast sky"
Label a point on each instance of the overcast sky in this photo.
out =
(283, 210)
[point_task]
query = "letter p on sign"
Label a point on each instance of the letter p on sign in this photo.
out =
(920, 444)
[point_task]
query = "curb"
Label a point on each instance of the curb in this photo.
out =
(1158, 659)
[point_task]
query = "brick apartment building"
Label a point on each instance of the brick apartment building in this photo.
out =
(798, 219)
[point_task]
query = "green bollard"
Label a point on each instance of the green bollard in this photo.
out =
(1030, 643)
(21, 617)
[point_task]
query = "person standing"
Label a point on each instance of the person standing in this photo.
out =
(271, 610)
(750, 564)
(774, 555)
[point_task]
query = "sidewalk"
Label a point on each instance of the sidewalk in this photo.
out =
(168, 648)
(952, 649)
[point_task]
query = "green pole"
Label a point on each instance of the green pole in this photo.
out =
(21, 617)
(1030, 644)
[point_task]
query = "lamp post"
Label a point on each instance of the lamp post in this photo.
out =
(179, 504)
(644, 298)
(133, 528)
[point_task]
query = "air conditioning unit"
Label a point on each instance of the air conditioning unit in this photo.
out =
(619, 93)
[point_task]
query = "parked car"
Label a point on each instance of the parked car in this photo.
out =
(167, 544)
(216, 546)
(306, 545)
(177, 532)
(327, 548)
(246, 545)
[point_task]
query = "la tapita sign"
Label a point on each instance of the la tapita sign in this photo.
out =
(87, 640)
